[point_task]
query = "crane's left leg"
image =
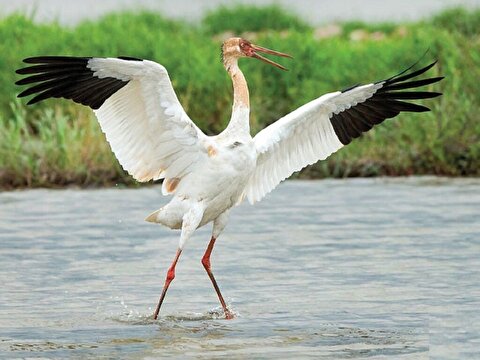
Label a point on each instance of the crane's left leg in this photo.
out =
(218, 226)
(190, 222)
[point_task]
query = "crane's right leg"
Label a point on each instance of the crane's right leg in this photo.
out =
(218, 226)
(190, 222)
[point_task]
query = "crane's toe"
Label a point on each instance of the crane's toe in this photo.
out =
(229, 315)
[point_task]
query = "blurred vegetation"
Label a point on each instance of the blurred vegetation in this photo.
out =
(242, 18)
(58, 143)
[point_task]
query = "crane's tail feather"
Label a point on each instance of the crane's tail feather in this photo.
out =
(153, 217)
(169, 218)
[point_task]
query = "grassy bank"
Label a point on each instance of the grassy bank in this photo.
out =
(58, 143)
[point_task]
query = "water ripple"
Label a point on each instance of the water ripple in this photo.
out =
(334, 269)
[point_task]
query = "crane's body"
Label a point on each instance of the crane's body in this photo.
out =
(153, 138)
(215, 186)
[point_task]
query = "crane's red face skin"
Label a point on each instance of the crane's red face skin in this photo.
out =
(238, 47)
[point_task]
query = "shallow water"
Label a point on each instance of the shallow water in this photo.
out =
(335, 269)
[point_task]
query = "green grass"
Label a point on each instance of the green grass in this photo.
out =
(57, 146)
(247, 18)
(57, 143)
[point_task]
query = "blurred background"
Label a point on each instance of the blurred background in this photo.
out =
(335, 44)
(315, 12)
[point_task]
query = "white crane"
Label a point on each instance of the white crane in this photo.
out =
(153, 138)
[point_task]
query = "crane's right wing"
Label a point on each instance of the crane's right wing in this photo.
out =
(319, 128)
(136, 106)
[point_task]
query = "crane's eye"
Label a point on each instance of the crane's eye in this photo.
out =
(244, 43)
(245, 47)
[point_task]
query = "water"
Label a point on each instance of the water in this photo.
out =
(336, 269)
(313, 11)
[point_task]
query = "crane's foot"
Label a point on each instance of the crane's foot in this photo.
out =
(229, 315)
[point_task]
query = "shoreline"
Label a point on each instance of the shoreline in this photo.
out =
(434, 179)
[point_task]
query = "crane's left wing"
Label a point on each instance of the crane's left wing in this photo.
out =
(136, 106)
(319, 128)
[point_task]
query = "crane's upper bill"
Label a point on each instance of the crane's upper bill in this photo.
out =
(247, 49)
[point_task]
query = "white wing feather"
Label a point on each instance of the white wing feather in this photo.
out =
(299, 139)
(145, 124)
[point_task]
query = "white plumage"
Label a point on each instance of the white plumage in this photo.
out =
(149, 132)
(299, 139)
(153, 137)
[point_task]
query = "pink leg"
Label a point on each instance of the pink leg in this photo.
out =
(168, 280)
(206, 265)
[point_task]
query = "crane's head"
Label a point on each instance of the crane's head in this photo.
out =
(237, 47)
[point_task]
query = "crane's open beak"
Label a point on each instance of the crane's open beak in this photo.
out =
(257, 49)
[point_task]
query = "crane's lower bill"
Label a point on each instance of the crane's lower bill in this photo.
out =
(256, 49)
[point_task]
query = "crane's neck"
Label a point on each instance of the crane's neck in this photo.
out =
(239, 123)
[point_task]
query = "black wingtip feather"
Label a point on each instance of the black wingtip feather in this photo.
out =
(408, 95)
(411, 66)
(410, 84)
(386, 102)
(68, 77)
(398, 79)
(56, 60)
